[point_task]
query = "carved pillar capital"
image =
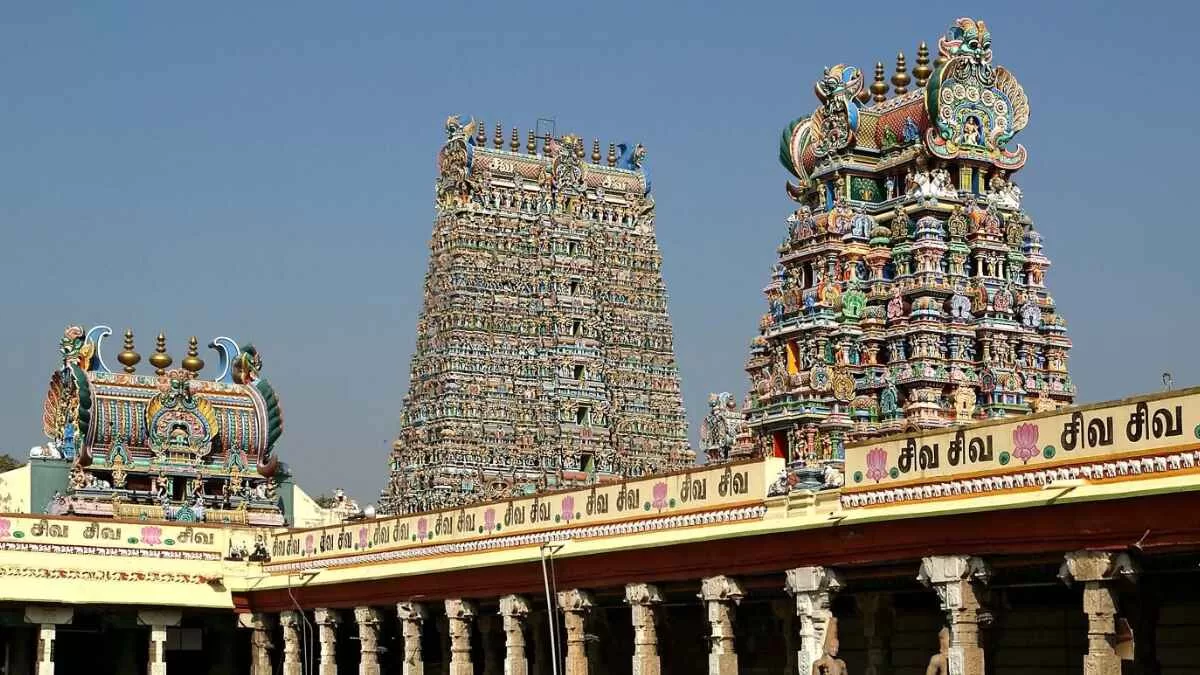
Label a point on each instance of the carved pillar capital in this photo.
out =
(326, 617)
(458, 608)
(575, 600)
(412, 611)
(514, 606)
(942, 569)
(367, 616)
(1087, 566)
(642, 594)
(721, 589)
(289, 619)
(256, 621)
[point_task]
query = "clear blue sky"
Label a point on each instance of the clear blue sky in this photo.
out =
(265, 170)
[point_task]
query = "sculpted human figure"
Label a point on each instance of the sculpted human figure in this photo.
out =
(829, 663)
(940, 663)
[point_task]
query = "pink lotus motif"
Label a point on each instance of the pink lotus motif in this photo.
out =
(308, 544)
(5, 527)
(362, 537)
(152, 536)
(1025, 442)
(876, 464)
(660, 496)
(568, 508)
(422, 529)
(489, 520)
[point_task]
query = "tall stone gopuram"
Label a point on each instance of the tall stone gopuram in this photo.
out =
(909, 291)
(544, 353)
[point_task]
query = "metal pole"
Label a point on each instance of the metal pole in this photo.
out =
(550, 615)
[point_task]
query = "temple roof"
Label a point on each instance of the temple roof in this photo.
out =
(167, 417)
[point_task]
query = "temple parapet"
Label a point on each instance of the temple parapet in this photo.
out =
(165, 445)
(1150, 435)
(725, 494)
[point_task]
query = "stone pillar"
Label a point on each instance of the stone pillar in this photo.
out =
(575, 605)
(327, 621)
(721, 596)
(514, 609)
(367, 619)
(290, 621)
(642, 599)
(260, 641)
(959, 581)
(1097, 571)
(412, 624)
(460, 614)
(877, 613)
(813, 588)
(47, 620)
(158, 620)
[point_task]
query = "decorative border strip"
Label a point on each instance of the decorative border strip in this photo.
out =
(971, 487)
(101, 575)
(30, 547)
(591, 532)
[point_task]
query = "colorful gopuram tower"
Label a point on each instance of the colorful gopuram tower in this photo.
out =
(909, 291)
(544, 351)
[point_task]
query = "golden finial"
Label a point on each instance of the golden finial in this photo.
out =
(612, 154)
(922, 71)
(128, 357)
(863, 96)
(515, 144)
(595, 151)
(879, 88)
(939, 61)
(900, 78)
(192, 362)
(160, 359)
(531, 143)
(481, 135)
(498, 139)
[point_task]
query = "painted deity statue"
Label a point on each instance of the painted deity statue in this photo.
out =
(829, 663)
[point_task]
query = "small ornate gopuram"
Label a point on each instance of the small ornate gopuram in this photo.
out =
(909, 291)
(544, 353)
(166, 445)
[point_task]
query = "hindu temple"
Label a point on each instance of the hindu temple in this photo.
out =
(913, 489)
(544, 353)
(909, 291)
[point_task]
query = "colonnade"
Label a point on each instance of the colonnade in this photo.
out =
(960, 583)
